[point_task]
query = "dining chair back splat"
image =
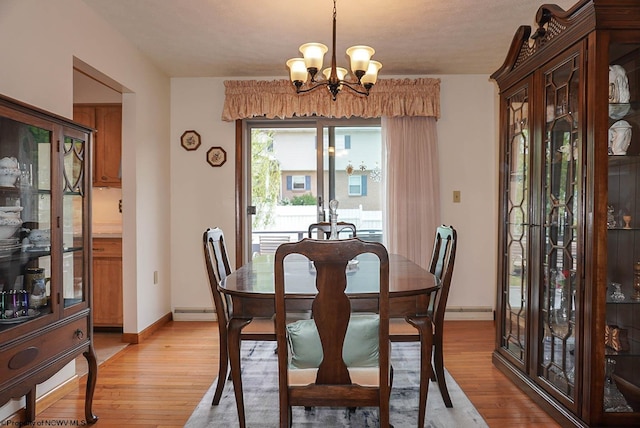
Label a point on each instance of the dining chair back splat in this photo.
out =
(329, 381)
(325, 227)
(218, 268)
(441, 265)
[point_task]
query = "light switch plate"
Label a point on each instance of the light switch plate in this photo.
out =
(456, 196)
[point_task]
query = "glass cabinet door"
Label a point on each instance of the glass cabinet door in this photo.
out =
(515, 188)
(560, 235)
(73, 219)
(25, 222)
(622, 340)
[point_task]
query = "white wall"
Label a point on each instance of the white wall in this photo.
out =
(203, 196)
(468, 151)
(40, 40)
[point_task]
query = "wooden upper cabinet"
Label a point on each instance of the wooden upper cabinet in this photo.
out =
(107, 121)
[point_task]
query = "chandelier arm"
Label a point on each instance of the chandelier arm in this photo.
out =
(355, 87)
(335, 88)
(317, 85)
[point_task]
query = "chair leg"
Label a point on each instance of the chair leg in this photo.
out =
(286, 418)
(234, 329)
(223, 369)
(384, 417)
(423, 324)
(438, 359)
(384, 412)
(222, 377)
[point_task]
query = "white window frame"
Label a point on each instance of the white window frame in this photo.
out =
(298, 183)
(351, 183)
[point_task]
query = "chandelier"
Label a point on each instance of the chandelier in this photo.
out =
(363, 68)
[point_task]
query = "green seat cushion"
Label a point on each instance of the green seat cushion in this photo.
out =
(360, 345)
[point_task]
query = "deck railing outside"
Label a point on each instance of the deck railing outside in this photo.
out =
(293, 222)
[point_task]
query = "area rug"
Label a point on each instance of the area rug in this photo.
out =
(260, 384)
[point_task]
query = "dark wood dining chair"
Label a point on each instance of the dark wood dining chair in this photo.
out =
(325, 227)
(218, 268)
(337, 358)
(441, 265)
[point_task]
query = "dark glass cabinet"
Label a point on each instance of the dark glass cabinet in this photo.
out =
(568, 308)
(45, 251)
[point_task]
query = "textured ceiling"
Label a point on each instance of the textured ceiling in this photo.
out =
(252, 38)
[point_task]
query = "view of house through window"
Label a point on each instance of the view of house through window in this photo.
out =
(297, 167)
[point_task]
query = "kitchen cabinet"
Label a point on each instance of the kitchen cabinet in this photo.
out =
(45, 254)
(106, 119)
(107, 282)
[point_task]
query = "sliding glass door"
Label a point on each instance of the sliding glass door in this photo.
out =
(295, 167)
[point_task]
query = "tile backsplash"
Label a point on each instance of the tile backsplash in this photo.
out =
(107, 218)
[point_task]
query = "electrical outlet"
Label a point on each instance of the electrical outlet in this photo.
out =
(456, 196)
(155, 276)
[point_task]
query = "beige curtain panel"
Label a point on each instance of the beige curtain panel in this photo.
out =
(413, 186)
(278, 99)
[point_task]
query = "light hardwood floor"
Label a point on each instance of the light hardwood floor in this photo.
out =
(159, 382)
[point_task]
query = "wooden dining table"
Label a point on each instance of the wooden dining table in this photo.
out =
(251, 289)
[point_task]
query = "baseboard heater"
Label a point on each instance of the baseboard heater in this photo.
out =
(469, 313)
(193, 311)
(452, 313)
(194, 314)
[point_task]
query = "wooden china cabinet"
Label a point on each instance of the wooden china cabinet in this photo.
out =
(45, 251)
(568, 308)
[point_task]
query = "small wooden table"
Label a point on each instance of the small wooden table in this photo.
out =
(251, 289)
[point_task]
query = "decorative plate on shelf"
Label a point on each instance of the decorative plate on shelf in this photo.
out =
(619, 110)
(190, 140)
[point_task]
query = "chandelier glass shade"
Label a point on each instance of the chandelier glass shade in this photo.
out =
(303, 71)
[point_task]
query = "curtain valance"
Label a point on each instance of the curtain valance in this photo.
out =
(278, 99)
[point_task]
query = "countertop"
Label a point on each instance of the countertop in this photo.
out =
(107, 235)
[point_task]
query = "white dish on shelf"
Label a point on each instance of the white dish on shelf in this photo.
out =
(9, 171)
(618, 110)
(18, 320)
(40, 237)
(34, 249)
